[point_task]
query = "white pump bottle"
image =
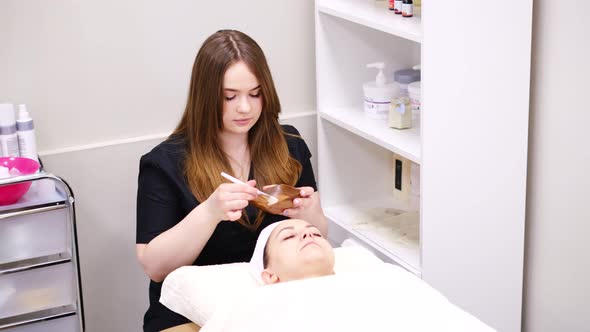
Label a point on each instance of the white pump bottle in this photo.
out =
(379, 93)
(26, 134)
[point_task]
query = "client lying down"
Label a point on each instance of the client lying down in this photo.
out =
(302, 292)
(290, 250)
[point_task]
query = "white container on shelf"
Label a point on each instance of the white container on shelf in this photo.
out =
(404, 77)
(25, 130)
(415, 97)
(8, 137)
(378, 94)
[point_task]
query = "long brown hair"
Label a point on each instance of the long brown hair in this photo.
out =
(202, 121)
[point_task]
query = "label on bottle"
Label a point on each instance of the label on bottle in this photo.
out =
(377, 110)
(9, 145)
(391, 5)
(407, 9)
(27, 145)
(398, 6)
(401, 108)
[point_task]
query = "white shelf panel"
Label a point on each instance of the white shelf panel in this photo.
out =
(374, 222)
(405, 142)
(375, 15)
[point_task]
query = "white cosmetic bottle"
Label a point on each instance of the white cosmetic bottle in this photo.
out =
(8, 138)
(378, 94)
(25, 131)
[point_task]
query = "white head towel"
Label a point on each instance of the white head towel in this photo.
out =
(256, 262)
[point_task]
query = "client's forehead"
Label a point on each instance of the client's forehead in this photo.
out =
(290, 224)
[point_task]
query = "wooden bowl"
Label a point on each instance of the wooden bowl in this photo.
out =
(284, 193)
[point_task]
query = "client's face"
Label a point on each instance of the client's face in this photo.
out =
(297, 250)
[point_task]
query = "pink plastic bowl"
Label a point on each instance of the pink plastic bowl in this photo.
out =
(10, 194)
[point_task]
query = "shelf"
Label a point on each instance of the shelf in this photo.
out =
(404, 142)
(34, 263)
(36, 198)
(381, 226)
(37, 316)
(374, 15)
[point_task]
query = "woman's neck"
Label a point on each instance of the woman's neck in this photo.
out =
(233, 144)
(236, 149)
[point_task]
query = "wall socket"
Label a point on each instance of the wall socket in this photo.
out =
(401, 178)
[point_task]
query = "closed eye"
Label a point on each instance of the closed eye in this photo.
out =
(289, 237)
(255, 95)
(230, 98)
(317, 234)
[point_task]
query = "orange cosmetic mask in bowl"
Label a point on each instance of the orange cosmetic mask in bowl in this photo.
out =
(285, 195)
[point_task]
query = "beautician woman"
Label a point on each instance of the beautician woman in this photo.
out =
(187, 213)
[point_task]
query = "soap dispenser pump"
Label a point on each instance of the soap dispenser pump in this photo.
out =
(378, 93)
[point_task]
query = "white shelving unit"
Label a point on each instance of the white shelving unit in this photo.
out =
(371, 14)
(403, 142)
(371, 222)
(344, 130)
(464, 233)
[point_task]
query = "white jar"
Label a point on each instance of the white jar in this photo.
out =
(414, 92)
(378, 99)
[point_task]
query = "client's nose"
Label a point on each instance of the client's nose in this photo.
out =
(306, 233)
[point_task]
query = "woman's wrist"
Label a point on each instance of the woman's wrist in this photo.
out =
(207, 214)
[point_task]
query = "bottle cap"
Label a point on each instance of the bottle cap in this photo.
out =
(23, 114)
(406, 76)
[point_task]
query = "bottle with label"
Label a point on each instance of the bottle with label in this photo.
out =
(397, 6)
(8, 137)
(378, 93)
(400, 113)
(25, 130)
(407, 8)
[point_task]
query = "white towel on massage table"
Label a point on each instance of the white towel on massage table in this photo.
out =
(386, 298)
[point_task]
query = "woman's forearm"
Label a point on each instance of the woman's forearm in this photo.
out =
(178, 246)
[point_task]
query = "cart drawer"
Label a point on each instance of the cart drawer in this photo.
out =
(37, 289)
(62, 324)
(34, 235)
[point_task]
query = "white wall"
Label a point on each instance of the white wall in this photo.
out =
(101, 70)
(557, 274)
(104, 81)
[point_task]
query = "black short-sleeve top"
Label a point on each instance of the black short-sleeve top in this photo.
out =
(164, 199)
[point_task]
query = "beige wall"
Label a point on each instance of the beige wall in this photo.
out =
(557, 275)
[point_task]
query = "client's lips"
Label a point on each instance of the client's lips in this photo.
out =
(308, 243)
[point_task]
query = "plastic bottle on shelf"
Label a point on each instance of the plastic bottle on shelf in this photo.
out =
(415, 96)
(8, 137)
(407, 8)
(397, 6)
(378, 94)
(400, 113)
(25, 131)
